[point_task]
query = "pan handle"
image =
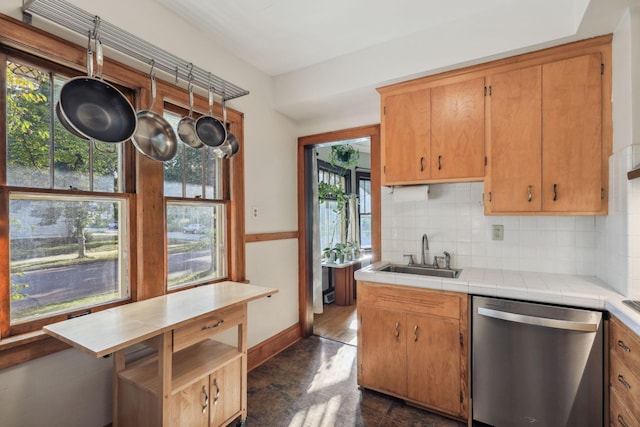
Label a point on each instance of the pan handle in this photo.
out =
(89, 58)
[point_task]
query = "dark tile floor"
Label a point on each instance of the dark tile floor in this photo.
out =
(313, 383)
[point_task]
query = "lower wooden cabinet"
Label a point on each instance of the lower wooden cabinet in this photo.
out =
(624, 375)
(413, 344)
(211, 401)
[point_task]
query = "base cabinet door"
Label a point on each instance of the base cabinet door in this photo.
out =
(190, 406)
(226, 393)
(383, 364)
(412, 343)
(434, 371)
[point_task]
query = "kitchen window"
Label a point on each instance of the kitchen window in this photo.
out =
(67, 247)
(196, 212)
(363, 182)
(332, 211)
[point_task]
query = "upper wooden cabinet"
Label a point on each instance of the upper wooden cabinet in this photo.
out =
(457, 130)
(536, 128)
(434, 133)
(546, 149)
(405, 155)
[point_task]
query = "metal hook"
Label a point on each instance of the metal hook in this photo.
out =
(177, 81)
(96, 26)
(89, 51)
(190, 68)
(153, 65)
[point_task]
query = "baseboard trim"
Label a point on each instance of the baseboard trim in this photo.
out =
(264, 351)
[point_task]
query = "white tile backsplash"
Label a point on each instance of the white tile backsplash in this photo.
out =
(453, 219)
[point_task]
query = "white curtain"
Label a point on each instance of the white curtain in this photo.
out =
(316, 255)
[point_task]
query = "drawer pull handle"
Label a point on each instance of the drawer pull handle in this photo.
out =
(205, 405)
(421, 164)
(624, 382)
(529, 194)
(439, 162)
(555, 192)
(621, 421)
(215, 325)
(217, 396)
(415, 333)
(397, 329)
(623, 346)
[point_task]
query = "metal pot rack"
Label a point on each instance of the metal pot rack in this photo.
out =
(82, 22)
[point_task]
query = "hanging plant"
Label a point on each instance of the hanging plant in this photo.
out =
(332, 192)
(344, 156)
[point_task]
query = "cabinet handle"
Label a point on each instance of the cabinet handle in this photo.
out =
(555, 192)
(621, 421)
(489, 196)
(217, 396)
(439, 162)
(205, 405)
(397, 329)
(623, 346)
(215, 325)
(529, 195)
(624, 382)
(421, 164)
(415, 333)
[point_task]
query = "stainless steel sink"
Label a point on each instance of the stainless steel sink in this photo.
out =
(448, 273)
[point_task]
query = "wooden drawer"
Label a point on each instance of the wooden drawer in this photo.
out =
(620, 415)
(624, 343)
(206, 327)
(626, 384)
(422, 301)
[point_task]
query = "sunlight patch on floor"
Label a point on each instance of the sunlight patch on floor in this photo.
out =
(330, 373)
(319, 415)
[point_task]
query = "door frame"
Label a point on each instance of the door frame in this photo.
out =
(305, 273)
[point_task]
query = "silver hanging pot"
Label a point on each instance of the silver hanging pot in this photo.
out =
(231, 144)
(187, 125)
(91, 108)
(154, 137)
(209, 129)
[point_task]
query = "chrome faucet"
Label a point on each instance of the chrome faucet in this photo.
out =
(425, 248)
(447, 260)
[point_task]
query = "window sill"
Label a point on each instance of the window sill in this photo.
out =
(24, 347)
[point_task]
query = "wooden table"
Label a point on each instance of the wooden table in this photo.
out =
(184, 376)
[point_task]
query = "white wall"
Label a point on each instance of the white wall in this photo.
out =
(619, 232)
(34, 393)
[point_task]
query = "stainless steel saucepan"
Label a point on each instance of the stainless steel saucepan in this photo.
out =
(155, 138)
(209, 129)
(187, 125)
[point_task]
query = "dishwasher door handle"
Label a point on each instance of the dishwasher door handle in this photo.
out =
(539, 321)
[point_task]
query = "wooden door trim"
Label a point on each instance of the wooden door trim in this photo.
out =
(305, 308)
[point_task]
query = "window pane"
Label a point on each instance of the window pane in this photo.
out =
(196, 242)
(365, 196)
(365, 231)
(188, 168)
(330, 224)
(28, 126)
(66, 254)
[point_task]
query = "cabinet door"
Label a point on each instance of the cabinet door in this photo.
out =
(572, 135)
(514, 169)
(406, 128)
(226, 392)
(457, 130)
(434, 365)
(383, 365)
(190, 407)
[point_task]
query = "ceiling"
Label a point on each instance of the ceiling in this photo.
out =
(326, 58)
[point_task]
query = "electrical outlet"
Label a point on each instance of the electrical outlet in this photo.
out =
(254, 212)
(497, 232)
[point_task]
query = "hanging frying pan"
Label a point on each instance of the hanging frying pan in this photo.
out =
(231, 144)
(187, 125)
(209, 129)
(154, 137)
(91, 108)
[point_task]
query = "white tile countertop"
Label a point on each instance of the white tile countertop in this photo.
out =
(576, 291)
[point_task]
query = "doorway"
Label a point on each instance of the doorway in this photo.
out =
(325, 309)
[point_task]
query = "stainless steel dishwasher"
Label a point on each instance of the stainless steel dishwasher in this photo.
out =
(536, 364)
